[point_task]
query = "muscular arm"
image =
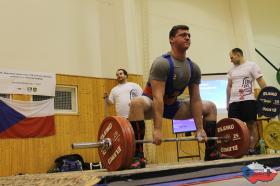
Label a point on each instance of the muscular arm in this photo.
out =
(261, 82)
(158, 88)
(158, 92)
(229, 85)
(196, 105)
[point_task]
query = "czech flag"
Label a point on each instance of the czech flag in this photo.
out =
(24, 119)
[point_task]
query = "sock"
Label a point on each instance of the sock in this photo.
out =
(139, 132)
(210, 145)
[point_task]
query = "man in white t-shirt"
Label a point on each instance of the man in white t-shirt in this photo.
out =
(122, 93)
(241, 102)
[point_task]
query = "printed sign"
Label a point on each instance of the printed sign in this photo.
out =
(25, 82)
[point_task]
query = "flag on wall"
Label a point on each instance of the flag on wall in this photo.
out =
(24, 119)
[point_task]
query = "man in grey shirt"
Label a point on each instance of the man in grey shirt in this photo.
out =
(169, 75)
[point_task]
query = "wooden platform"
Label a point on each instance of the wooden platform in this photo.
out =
(184, 170)
(161, 173)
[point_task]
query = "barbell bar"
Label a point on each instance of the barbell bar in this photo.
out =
(106, 143)
(116, 141)
(183, 139)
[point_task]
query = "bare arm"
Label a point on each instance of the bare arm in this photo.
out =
(158, 88)
(106, 99)
(261, 82)
(229, 85)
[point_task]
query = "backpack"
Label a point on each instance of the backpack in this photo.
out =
(71, 162)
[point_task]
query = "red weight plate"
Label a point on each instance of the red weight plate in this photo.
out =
(130, 141)
(114, 158)
(237, 133)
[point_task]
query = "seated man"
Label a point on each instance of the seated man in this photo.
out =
(169, 75)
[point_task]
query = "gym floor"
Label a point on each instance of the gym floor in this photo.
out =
(220, 172)
(227, 172)
(235, 179)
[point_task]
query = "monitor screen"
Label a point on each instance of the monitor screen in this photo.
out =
(183, 126)
(213, 88)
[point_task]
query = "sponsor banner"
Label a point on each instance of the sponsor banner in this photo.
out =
(25, 82)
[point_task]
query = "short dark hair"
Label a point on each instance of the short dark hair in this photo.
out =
(124, 71)
(175, 28)
(237, 50)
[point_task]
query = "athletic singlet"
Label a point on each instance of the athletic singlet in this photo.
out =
(169, 89)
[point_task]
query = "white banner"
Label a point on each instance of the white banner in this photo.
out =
(25, 82)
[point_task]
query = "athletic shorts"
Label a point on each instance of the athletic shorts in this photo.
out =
(243, 110)
(170, 110)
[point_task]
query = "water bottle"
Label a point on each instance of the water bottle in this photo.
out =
(262, 146)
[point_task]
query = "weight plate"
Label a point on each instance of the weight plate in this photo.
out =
(114, 158)
(237, 133)
(130, 141)
(271, 135)
(269, 102)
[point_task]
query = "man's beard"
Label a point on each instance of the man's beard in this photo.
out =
(120, 81)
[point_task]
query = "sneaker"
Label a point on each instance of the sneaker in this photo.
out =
(214, 155)
(136, 164)
(143, 162)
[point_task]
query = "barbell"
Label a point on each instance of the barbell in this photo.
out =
(116, 141)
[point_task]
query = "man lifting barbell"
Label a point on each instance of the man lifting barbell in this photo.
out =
(169, 75)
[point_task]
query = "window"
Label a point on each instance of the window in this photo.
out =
(8, 96)
(65, 100)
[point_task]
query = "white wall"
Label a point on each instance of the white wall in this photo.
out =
(80, 37)
(265, 19)
(47, 36)
(210, 26)
(95, 37)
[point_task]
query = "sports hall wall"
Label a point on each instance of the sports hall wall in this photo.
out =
(37, 155)
(95, 37)
(85, 41)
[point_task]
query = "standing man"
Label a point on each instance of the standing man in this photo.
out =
(123, 93)
(169, 75)
(241, 102)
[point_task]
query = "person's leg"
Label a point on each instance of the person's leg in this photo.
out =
(184, 110)
(234, 110)
(249, 116)
(138, 107)
(254, 136)
(209, 112)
